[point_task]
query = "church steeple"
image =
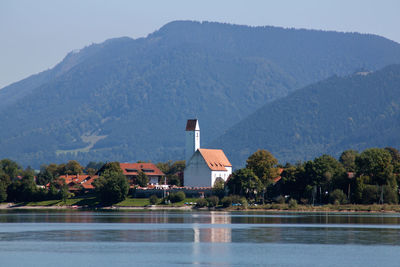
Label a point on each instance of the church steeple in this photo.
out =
(192, 138)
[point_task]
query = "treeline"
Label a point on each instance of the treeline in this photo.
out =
(24, 185)
(371, 176)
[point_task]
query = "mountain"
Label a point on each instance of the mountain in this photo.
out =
(128, 99)
(358, 111)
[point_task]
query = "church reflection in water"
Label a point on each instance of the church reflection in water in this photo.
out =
(218, 231)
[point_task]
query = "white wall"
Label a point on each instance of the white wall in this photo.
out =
(223, 174)
(197, 173)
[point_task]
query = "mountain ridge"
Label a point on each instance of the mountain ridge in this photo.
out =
(339, 113)
(138, 93)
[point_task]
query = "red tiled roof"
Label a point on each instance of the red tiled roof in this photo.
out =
(84, 180)
(150, 169)
(215, 159)
(191, 125)
(277, 179)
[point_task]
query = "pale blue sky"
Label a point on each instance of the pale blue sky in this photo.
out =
(36, 35)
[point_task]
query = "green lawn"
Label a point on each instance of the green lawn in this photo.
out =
(92, 201)
(133, 202)
(79, 201)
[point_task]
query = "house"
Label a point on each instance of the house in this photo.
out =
(203, 166)
(131, 171)
(77, 182)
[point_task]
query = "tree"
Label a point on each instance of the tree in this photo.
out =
(142, 179)
(172, 170)
(244, 182)
(395, 159)
(11, 168)
(348, 160)
(73, 168)
(153, 199)
(23, 189)
(376, 164)
(294, 181)
(219, 187)
(47, 174)
(112, 186)
(263, 164)
(327, 174)
(92, 167)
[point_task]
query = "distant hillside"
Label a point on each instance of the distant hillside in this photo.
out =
(128, 99)
(354, 112)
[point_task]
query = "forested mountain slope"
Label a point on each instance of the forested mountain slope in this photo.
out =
(128, 99)
(354, 112)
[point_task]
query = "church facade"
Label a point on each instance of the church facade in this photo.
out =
(203, 166)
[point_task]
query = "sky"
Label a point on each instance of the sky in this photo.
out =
(36, 35)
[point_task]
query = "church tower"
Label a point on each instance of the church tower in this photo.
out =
(192, 138)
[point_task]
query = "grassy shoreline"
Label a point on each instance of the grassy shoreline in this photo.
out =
(90, 203)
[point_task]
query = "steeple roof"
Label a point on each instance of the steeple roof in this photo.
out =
(192, 125)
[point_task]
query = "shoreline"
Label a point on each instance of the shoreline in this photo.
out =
(302, 209)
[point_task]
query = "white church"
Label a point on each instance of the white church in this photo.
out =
(203, 166)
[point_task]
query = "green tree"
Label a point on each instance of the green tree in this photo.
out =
(244, 182)
(142, 179)
(92, 167)
(173, 179)
(327, 174)
(294, 182)
(348, 160)
(376, 164)
(264, 166)
(23, 189)
(112, 186)
(395, 159)
(47, 174)
(10, 168)
(219, 187)
(73, 168)
(153, 199)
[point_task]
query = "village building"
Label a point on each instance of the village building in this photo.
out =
(77, 183)
(132, 170)
(203, 166)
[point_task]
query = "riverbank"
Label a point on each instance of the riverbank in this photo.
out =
(260, 208)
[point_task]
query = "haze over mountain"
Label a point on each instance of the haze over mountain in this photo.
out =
(128, 99)
(354, 112)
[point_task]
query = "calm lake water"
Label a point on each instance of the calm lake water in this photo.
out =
(165, 238)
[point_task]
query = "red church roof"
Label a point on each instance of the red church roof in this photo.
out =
(215, 159)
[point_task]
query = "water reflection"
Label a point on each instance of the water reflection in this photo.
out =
(201, 227)
(221, 233)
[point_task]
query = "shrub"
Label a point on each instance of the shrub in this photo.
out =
(244, 202)
(337, 197)
(292, 203)
(201, 202)
(390, 195)
(213, 201)
(280, 199)
(177, 197)
(236, 199)
(153, 199)
(226, 202)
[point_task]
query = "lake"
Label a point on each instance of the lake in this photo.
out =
(168, 238)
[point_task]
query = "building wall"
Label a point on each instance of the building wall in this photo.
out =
(223, 174)
(197, 173)
(192, 143)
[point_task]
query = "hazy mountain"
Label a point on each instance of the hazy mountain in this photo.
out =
(354, 112)
(128, 99)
